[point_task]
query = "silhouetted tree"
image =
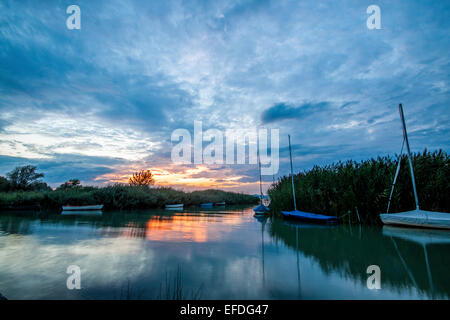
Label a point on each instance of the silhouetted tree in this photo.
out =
(72, 183)
(142, 178)
(4, 184)
(24, 178)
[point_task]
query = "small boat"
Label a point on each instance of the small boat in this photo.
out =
(220, 204)
(178, 206)
(300, 215)
(82, 208)
(417, 218)
(261, 210)
(206, 205)
(414, 218)
(82, 213)
(310, 217)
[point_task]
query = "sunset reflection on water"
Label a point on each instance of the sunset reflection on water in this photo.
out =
(193, 228)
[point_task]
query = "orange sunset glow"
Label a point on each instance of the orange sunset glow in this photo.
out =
(200, 177)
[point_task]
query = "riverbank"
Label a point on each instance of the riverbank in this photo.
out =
(351, 189)
(118, 197)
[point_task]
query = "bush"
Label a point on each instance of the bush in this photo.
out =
(340, 188)
(119, 197)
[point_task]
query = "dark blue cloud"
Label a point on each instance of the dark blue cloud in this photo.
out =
(62, 168)
(283, 111)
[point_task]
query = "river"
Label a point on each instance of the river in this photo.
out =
(215, 254)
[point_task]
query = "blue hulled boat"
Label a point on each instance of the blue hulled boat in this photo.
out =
(261, 210)
(206, 205)
(310, 217)
(300, 215)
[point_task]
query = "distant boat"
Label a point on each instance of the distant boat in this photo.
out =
(178, 206)
(206, 205)
(82, 213)
(220, 204)
(306, 216)
(310, 217)
(414, 218)
(82, 208)
(261, 209)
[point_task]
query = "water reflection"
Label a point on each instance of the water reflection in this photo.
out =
(400, 253)
(228, 253)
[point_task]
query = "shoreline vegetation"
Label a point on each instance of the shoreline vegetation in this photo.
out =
(351, 189)
(23, 190)
(355, 192)
(118, 197)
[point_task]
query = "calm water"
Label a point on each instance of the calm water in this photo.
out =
(215, 254)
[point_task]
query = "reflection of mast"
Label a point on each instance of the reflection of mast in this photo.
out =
(298, 264)
(404, 263)
(427, 264)
(262, 245)
(424, 238)
(430, 280)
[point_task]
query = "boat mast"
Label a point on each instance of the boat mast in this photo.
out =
(292, 173)
(405, 136)
(260, 179)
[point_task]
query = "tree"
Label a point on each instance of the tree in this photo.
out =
(4, 184)
(24, 178)
(142, 178)
(71, 184)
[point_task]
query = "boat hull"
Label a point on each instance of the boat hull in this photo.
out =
(174, 206)
(261, 210)
(417, 219)
(82, 208)
(310, 217)
(82, 213)
(206, 205)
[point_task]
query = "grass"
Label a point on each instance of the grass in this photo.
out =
(344, 188)
(119, 197)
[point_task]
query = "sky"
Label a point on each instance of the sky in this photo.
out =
(102, 102)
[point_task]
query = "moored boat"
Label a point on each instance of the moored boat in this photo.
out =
(415, 218)
(220, 204)
(206, 205)
(82, 208)
(261, 210)
(82, 213)
(301, 215)
(310, 217)
(178, 206)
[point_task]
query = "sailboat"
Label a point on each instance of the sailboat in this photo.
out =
(417, 217)
(261, 209)
(301, 215)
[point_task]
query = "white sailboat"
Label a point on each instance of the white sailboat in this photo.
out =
(417, 217)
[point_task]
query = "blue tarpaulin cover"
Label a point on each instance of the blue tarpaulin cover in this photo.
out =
(261, 208)
(308, 216)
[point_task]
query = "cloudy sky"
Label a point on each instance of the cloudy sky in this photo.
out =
(101, 102)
